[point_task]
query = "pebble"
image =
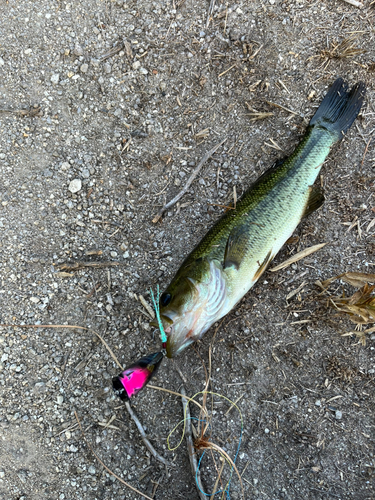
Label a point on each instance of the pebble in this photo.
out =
(91, 469)
(2, 61)
(55, 78)
(60, 400)
(136, 65)
(84, 68)
(78, 50)
(338, 415)
(65, 166)
(75, 185)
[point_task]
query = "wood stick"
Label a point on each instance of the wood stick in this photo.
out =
(190, 445)
(142, 432)
(189, 182)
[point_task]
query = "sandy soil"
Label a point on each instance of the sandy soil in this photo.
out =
(105, 110)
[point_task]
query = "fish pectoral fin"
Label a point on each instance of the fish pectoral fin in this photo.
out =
(315, 200)
(236, 247)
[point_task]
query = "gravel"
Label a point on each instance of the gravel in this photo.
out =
(124, 89)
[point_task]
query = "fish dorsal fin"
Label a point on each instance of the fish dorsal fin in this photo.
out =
(315, 200)
(236, 247)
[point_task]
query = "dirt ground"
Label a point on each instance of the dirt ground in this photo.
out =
(105, 110)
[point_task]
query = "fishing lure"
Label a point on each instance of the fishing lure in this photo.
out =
(138, 375)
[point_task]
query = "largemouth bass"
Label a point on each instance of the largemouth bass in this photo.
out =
(237, 250)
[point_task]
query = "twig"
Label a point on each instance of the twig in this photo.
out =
(189, 182)
(364, 154)
(218, 479)
(210, 11)
(74, 266)
(147, 443)
(284, 108)
(180, 373)
(190, 445)
(111, 52)
(226, 71)
(31, 111)
(106, 468)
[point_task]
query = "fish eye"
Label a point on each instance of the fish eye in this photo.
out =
(165, 299)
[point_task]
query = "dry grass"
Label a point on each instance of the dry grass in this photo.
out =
(342, 50)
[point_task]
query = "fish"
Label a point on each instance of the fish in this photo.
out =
(237, 250)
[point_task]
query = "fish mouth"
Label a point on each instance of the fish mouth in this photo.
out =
(176, 345)
(166, 321)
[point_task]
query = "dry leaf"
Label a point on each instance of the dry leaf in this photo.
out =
(298, 256)
(355, 279)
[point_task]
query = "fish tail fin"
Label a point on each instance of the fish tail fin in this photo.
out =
(339, 108)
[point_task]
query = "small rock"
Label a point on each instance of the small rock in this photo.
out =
(126, 255)
(75, 185)
(34, 300)
(91, 469)
(60, 400)
(136, 65)
(65, 165)
(55, 78)
(2, 61)
(143, 71)
(338, 415)
(84, 68)
(78, 50)
(266, 431)
(318, 403)
(118, 299)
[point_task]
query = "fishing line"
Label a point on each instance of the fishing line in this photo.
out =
(227, 487)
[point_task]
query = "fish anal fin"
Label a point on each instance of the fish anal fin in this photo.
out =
(315, 200)
(263, 266)
(236, 247)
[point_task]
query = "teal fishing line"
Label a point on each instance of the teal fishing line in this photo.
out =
(157, 312)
